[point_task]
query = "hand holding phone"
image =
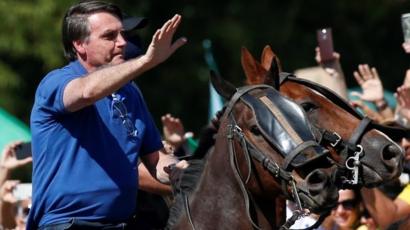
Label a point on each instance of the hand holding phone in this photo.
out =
(22, 191)
(23, 151)
(325, 42)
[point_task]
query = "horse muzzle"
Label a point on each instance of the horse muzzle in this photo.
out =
(320, 194)
(387, 168)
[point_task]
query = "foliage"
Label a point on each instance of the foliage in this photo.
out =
(364, 31)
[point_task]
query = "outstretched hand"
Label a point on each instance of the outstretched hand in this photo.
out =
(369, 81)
(162, 45)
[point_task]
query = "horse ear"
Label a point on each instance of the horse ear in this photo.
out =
(267, 57)
(271, 62)
(254, 71)
(224, 88)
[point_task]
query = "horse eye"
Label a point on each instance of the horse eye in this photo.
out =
(308, 106)
(255, 130)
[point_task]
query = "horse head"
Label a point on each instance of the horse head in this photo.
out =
(363, 152)
(270, 135)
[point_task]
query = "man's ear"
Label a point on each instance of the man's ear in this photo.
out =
(79, 47)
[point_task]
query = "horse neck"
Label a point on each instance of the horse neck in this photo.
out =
(218, 198)
(218, 169)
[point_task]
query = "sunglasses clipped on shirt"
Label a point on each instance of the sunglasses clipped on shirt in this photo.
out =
(347, 204)
(119, 106)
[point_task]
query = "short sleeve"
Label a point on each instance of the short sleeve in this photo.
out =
(49, 95)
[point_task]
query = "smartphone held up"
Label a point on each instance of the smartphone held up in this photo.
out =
(22, 191)
(325, 43)
(23, 150)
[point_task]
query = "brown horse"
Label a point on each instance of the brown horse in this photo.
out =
(264, 149)
(341, 127)
(380, 159)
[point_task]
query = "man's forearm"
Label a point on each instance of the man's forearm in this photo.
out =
(150, 184)
(86, 90)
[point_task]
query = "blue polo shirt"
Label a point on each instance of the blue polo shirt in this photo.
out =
(85, 162)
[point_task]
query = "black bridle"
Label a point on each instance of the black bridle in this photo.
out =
(234, 132)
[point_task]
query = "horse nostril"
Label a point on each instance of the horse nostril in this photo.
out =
(390, 152)
(316, 182)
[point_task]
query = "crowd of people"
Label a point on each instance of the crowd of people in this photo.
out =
(95, 145)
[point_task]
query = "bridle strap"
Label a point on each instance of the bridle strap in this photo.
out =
(232, 161)
(358, 133)
(289, 158)
(330, 138)
(239, 92)
(285, 176)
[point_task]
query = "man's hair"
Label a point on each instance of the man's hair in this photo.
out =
(75, 23)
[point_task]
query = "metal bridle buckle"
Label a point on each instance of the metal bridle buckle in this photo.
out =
(339, 138)
(353, 163)
(238, 130)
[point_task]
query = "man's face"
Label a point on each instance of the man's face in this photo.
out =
(105, 44)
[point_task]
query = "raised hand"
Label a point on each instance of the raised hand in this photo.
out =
(173, 130)
(369, 81)
(318, 59)
(9, 160)
(6, 191)
(162, 45)
(403, 101)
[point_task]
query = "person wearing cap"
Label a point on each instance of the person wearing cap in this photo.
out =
(90, 124)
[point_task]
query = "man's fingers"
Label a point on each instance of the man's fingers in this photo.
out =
(176, 20)
(164, 28)
(155, 37)
(178, 43)
(169, 28)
